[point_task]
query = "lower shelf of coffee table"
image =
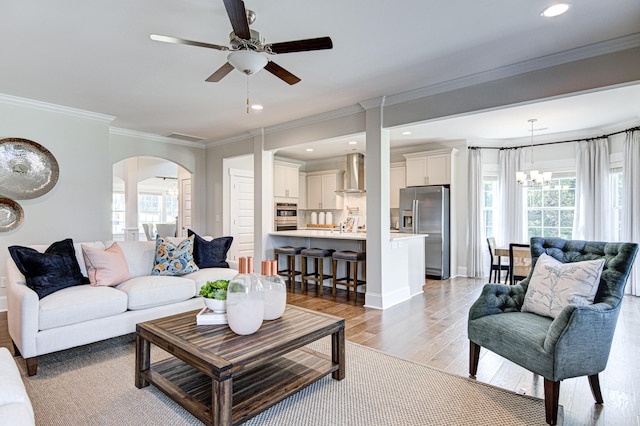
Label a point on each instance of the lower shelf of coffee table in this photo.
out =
(253, 391)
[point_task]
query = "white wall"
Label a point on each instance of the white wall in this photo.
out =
(85, 147)
(77, 206)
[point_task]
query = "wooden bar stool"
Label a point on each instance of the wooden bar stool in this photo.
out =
(289, 271)
(352, 259)
(317, 255)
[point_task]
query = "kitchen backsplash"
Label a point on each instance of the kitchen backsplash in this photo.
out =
(353, 202)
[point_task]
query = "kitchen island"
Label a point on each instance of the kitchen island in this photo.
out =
(405, 252)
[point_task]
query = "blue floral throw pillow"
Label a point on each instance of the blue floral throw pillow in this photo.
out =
(174, 259)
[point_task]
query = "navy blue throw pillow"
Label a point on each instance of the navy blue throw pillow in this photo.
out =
(48, 272)
(210, 254)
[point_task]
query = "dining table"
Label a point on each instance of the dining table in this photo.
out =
(504, 251)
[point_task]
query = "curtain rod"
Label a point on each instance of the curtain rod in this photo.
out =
(558, 142)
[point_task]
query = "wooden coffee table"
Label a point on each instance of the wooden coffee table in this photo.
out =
(223, 378)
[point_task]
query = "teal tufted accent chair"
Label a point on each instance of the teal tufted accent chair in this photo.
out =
(576, 343)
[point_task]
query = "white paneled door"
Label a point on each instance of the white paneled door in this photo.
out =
(184, 214)
(241, 214)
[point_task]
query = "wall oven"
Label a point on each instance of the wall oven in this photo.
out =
(286, 217)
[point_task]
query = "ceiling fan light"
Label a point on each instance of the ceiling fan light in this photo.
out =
(555, 10)
(247, 61)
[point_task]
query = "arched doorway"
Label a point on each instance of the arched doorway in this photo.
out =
(153, 192)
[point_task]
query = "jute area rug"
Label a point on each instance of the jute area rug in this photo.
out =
(94, 385)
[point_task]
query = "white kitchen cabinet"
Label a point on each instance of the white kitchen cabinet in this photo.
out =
(430, 167)
(302, 190)
(321, 190)
(285, 179)
(397, 174)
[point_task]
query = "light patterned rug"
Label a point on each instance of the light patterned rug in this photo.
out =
(94, 385)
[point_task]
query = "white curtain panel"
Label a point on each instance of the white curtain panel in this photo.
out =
(475, 230)
(631, 203)
(509, 226)
(593, 220)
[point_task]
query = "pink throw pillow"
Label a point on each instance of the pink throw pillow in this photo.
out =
(105, 268)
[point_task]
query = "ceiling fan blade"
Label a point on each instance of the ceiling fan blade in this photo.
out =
(281, 73)
(176, 40)
(238, 17)
(220, 73)
(319, 43)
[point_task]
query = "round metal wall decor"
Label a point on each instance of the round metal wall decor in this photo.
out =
(11, 215)
(27, 169)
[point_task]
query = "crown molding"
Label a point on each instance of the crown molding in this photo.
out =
(49, 107)
(153, 137)
(589, 51)
(313, 119)
(233, 139)
(374, 103)
(301, 122)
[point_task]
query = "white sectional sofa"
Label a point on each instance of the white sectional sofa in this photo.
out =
(15, 406)
(85, 314)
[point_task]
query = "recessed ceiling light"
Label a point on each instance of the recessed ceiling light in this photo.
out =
(555, 10)
(353, 143)
(406, 133)
(309, 149)
(256, 106)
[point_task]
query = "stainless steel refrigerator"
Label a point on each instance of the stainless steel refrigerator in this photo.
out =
(425, 210)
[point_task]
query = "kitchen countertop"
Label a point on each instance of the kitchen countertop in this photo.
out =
(357, 236)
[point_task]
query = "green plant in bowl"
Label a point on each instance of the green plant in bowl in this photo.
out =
(215, 289)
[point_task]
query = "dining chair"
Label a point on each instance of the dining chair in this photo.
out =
(497, 266)
(519, 262)
(148, 231)
(166, 229)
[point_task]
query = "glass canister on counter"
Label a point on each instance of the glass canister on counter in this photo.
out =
(245, 299)
(275, 290)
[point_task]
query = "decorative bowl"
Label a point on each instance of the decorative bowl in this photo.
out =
(216, 305)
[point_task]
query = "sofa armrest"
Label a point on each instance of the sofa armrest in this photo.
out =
(15, 406)
(497, 298)
(587, 328)
(23, 308)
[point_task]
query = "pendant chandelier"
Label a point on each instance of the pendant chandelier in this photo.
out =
(534, 178)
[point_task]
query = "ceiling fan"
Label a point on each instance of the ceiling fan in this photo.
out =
(247, 46)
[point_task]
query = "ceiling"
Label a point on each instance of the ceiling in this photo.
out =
(97, 56)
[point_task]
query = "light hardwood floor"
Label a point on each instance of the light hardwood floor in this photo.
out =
(431, 329)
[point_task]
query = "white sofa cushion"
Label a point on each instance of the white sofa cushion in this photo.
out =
(151, 291)
(78, 304)
(140, 256)
(210, 274)
(15, 406)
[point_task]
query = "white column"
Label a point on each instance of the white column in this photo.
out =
(131, 199)
(262, 198)
(386, 285)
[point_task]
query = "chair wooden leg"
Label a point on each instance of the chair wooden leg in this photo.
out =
(551, 396)
(320, 272)
(594, 382)
(32, 366)
(334, 266)
(303, 281)
(474, 358)
(354, 275)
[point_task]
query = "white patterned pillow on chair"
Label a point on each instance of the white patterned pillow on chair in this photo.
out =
(554, 285)
(172, 259)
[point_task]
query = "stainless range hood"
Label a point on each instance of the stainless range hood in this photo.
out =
(355, 174)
